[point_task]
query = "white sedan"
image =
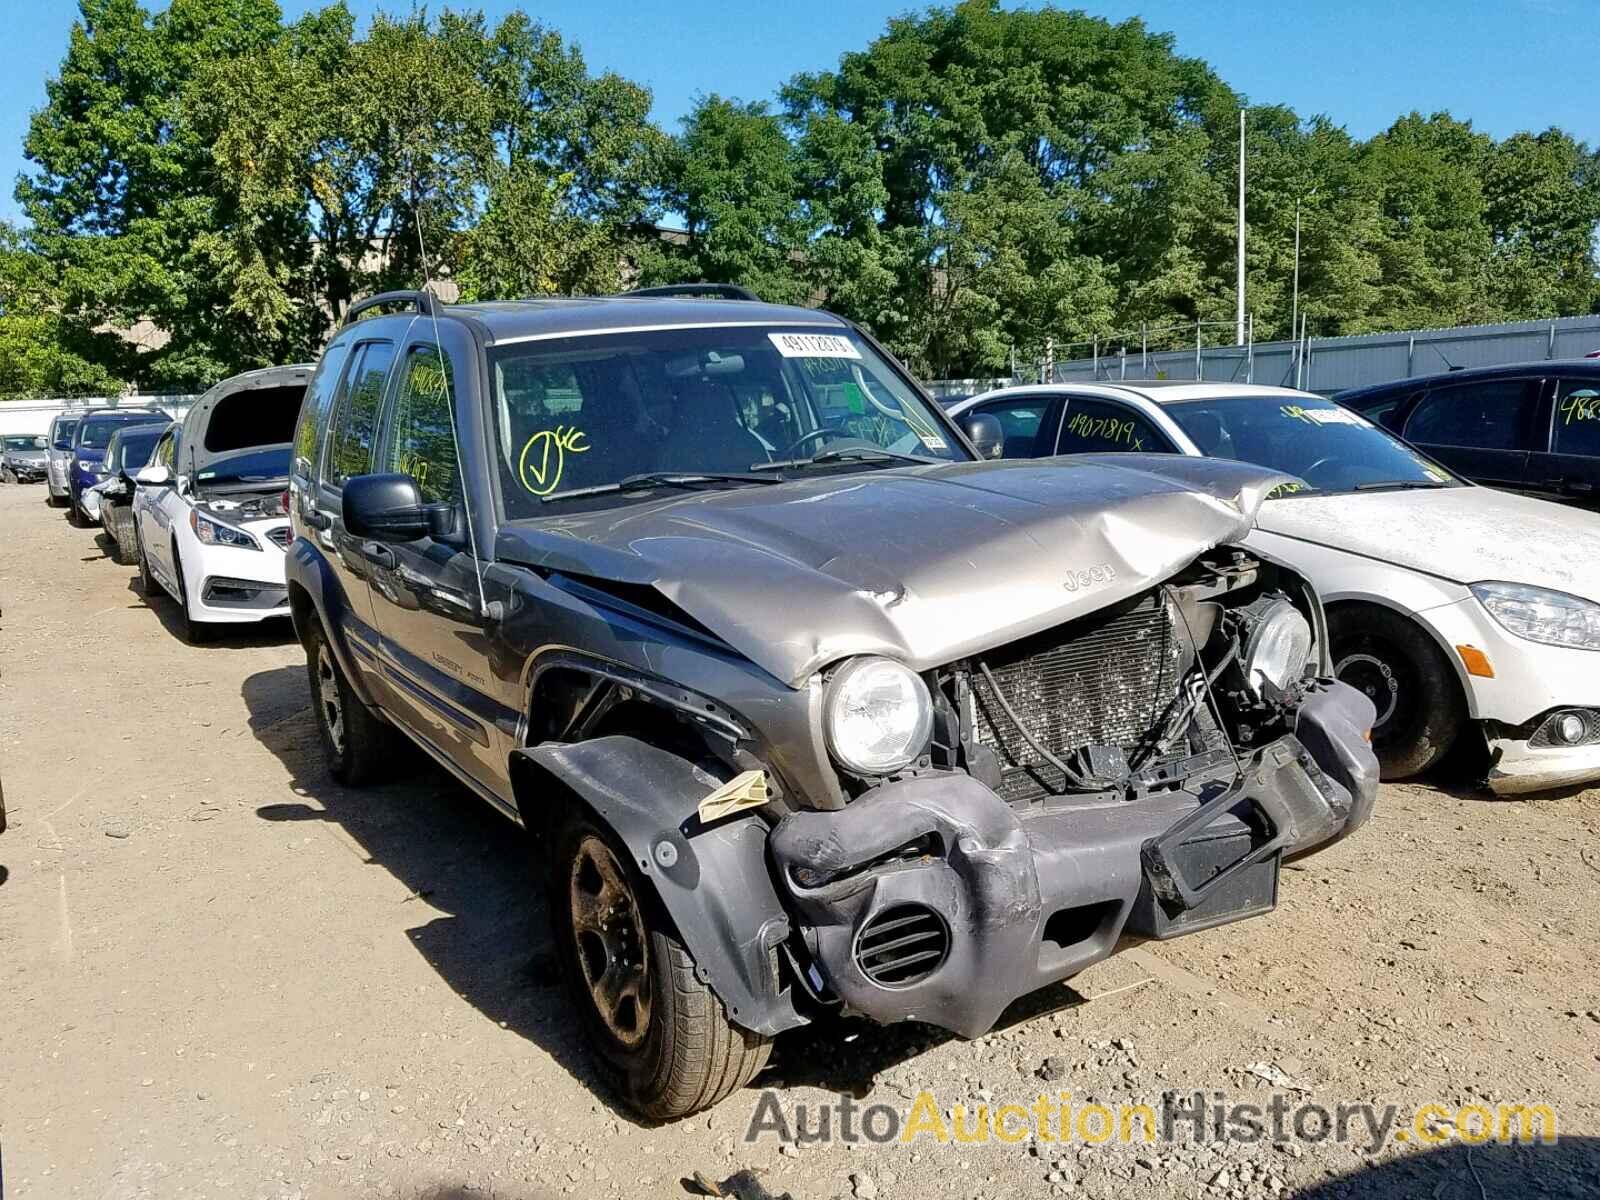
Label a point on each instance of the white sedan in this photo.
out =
(209, 511)
(1468, 615)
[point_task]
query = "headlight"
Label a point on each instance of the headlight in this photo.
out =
(1279, 647)
(876, 716)
(215, 533)
(93, 468)
(1540, 615)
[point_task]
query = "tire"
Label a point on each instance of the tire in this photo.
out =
(1409, 681)
(148, 587)
(196, 633)
(120, 526)
(74, 518)
(359, 744)
(665, 1043)
(7, 476)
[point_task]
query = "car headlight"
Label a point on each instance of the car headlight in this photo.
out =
(93, 468)
(876, 716)
(215, 533)
(1278, 647)
(1541, 615)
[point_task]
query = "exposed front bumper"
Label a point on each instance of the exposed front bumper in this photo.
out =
(26, 472)
(1032, 896)
(230, 585)
(1516, 767)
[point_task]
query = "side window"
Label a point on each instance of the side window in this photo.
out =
(1386, 412)
(1577, 418)
(355, 423)
(166, 449)
(1020, 419)
(315, 408)
(1099, 426)
(421, 441)
(1482, 416)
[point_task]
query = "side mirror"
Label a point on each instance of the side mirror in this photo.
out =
(153, 476)
(985, 434)
(384, 506)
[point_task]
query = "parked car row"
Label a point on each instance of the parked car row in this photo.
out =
(813, 696)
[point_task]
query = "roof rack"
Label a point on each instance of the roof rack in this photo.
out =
(421, 301)
(713, 291)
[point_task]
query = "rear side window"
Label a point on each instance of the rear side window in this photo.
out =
(1101, 426)
(1577, 416)
(355, 422)
(1482, 416)
(315, 408)
(421, 440)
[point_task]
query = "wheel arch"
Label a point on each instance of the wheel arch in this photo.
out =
(1464, 694)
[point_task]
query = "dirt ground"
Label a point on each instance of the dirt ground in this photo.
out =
(222, 975)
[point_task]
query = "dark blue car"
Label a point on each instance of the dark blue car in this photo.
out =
(89, 442)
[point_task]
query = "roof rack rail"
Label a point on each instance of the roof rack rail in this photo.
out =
(422, 301)
(713, 291)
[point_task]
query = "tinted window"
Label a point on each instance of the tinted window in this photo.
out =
(1020, 420)
(1488, 416)
(133, 449)
(27, 442)
(355, 424)
(314, 410)
(1577, 416)
(421, 440)
(95, 432)
(1099, 426)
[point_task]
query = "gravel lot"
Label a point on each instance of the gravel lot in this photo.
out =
(223, 975)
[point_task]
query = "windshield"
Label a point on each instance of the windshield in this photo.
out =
(96, 432)
(32, 441)
(257, 466)
(1327, 446)
(64, 432)
(598, 413)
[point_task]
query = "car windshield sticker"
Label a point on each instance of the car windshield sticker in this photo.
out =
(813, 345)
(1320, 416)
(853, 398)
(544, 457)
(1086, 427)
(1581, 406)
(1288, 488)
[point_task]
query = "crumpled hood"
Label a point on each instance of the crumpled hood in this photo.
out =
(923, 564)
(1465, 534)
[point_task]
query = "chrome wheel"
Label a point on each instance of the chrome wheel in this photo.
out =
(610, 936)
(329, 697)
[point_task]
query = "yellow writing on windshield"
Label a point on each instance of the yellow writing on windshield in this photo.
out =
(544, 457)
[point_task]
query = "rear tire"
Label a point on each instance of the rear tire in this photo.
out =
(359, 744)
(148, 586)
(120, 526)
(1409, 681)
(660, 1035)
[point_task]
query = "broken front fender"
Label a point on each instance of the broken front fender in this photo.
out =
(713, 880)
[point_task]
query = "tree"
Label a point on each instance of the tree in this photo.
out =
(39, 355)
(124, 198)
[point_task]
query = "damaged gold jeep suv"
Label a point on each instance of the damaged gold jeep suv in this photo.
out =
(806, 706)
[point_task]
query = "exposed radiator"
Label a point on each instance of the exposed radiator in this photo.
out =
(1102, 680)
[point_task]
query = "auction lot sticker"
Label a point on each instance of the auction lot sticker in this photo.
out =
(813, 345)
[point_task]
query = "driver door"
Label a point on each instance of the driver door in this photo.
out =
(426, 600)
(152, 509)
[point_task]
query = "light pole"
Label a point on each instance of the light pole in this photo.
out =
(1239, 319)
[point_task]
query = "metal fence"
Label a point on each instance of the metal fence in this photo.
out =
(34, 416)
(1329, 365)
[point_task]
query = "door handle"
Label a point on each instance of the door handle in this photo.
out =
(379, 554)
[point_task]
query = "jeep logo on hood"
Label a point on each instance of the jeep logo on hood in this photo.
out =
(1083, 580)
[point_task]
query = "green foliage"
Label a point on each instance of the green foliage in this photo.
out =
(970, 183)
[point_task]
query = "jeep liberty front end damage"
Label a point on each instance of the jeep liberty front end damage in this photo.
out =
(806, 710)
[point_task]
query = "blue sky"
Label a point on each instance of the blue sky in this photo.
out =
(1505, 64)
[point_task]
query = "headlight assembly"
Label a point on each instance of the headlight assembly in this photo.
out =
(1541, 615)
(1278, 647)
(876, 716)
(215, 533)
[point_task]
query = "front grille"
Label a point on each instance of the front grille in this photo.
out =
(902, 945)
(1099, 681)
(280, 536)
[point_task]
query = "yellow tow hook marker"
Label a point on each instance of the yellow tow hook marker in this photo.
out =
(748, 790)
(1476, 662)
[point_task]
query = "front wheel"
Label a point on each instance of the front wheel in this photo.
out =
(661, 1035)
(196, 633)
(119, 522)
(1408, 680)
